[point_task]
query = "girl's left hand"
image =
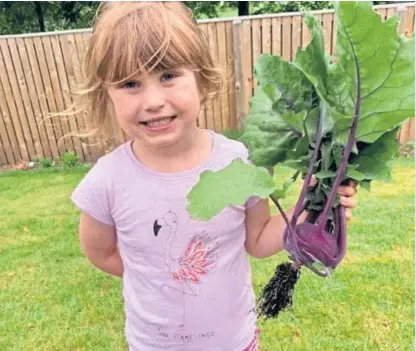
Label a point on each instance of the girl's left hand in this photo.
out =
(347, 198)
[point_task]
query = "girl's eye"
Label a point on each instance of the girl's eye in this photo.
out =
(168, 76)
(130, 85)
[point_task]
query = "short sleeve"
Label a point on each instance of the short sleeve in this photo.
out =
(251, 202)
(92, 195)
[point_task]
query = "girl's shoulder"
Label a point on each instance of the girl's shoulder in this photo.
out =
(114, 158)
(230, 148)
(107, 166)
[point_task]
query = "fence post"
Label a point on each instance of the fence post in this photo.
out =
(404, 129)
(239, 86)
(402, 13)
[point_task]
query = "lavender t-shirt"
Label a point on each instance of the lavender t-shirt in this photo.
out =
(186, 283)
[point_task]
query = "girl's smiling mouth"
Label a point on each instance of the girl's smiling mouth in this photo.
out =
(158, 124)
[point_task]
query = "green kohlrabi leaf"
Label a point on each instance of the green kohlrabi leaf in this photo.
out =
(312, 61)
(325, 174)
(372, 158)
(381, 62)
(311, 124)
(267, 133)
(282, 188)
(294, 120)
(354, 174)
(278, 110)
(232, 185)
(294, 90)
(372, 76)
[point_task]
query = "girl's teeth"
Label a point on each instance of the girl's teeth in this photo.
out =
(161, 122)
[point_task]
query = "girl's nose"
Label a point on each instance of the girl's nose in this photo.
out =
(154, 98)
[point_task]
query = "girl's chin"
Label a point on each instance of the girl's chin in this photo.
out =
(160, 139)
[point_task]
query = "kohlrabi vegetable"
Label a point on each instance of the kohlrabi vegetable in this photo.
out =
(335, 119)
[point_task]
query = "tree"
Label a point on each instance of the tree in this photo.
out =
(34, 16)
(39, 13)
(265, 7)
(243, 8)
(203, 9)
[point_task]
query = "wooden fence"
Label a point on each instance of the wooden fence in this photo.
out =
(38, 71)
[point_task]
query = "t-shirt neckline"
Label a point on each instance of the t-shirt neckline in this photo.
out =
(175, 175)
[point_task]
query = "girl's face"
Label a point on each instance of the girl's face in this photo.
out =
(159, 108)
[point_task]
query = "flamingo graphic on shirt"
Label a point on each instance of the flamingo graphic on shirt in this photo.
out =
(198, 258)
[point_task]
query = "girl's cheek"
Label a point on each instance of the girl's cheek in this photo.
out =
(128, 106)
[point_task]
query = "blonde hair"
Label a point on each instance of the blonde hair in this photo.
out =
(133, 37)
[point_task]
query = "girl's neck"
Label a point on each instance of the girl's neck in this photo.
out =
(186, 154)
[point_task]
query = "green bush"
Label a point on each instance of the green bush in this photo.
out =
(46, 163)
(70, 159)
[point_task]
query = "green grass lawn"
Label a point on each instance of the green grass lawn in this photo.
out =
(51, 298)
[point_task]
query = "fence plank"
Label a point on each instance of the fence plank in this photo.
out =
(75, 80)
(286, 38)
(209, 111)
(276, 36)
(29, 95)
(81, 41)
(412, 130)
(79, 51)
(391, 12)
(222, 57)
(327, 29)
(238, 68)
(247, 66)
(67, 47)
(305, 35)
(54, 93)
(62, 67)
(404, 133)
(37, 96)
(27, 105)
(97, 147)
(382, 12)
(10, 131)
(58, 80)
(15, 104)
(404, 137)
(7, 157)
(408, 15)
(266, 34)
(232, 111)
(39, 89)
(49, 93)
(296, 35)
(213, 44)
(26, 112)
(255, 45)
(411, 15)
(334, 37)
(3, 144)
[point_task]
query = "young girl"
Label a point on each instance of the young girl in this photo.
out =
(186, 283)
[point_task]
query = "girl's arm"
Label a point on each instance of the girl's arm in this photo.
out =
(99, 243)
(264, 233)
